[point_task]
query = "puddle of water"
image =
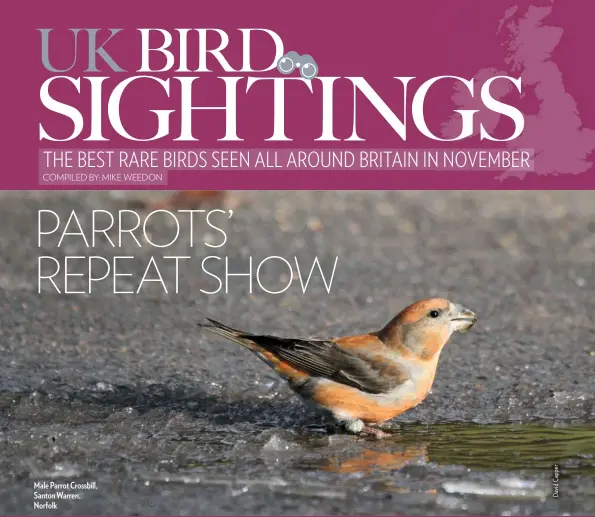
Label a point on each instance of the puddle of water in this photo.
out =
(527, 447)
(510, 447)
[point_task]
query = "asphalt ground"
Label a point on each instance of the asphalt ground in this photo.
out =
(126, 391)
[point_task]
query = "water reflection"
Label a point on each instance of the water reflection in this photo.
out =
(480, 447)
(370, 460)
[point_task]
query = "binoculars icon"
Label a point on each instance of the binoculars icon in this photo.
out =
(292, 60)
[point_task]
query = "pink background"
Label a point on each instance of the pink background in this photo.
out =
(552, 51)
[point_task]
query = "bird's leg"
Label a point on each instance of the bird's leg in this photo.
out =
(375, 432)
(358, 427)
(386, 427)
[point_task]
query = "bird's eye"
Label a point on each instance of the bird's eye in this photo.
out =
(434, 314)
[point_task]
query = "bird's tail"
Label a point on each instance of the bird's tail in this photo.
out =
(237, 336)
(294, 376)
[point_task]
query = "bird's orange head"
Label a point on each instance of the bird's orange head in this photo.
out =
(424, 327)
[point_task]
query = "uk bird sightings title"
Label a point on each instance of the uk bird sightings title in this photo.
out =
(165, 57)
(92, 78)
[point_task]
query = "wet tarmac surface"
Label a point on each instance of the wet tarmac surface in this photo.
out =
(125, 391)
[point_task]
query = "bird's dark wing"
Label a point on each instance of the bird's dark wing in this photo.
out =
(361, 362)
(372, 373)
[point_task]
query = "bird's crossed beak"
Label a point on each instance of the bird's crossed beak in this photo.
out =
(462, 319)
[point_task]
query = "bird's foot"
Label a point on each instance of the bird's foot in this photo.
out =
(359, 428)
(377, 433)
